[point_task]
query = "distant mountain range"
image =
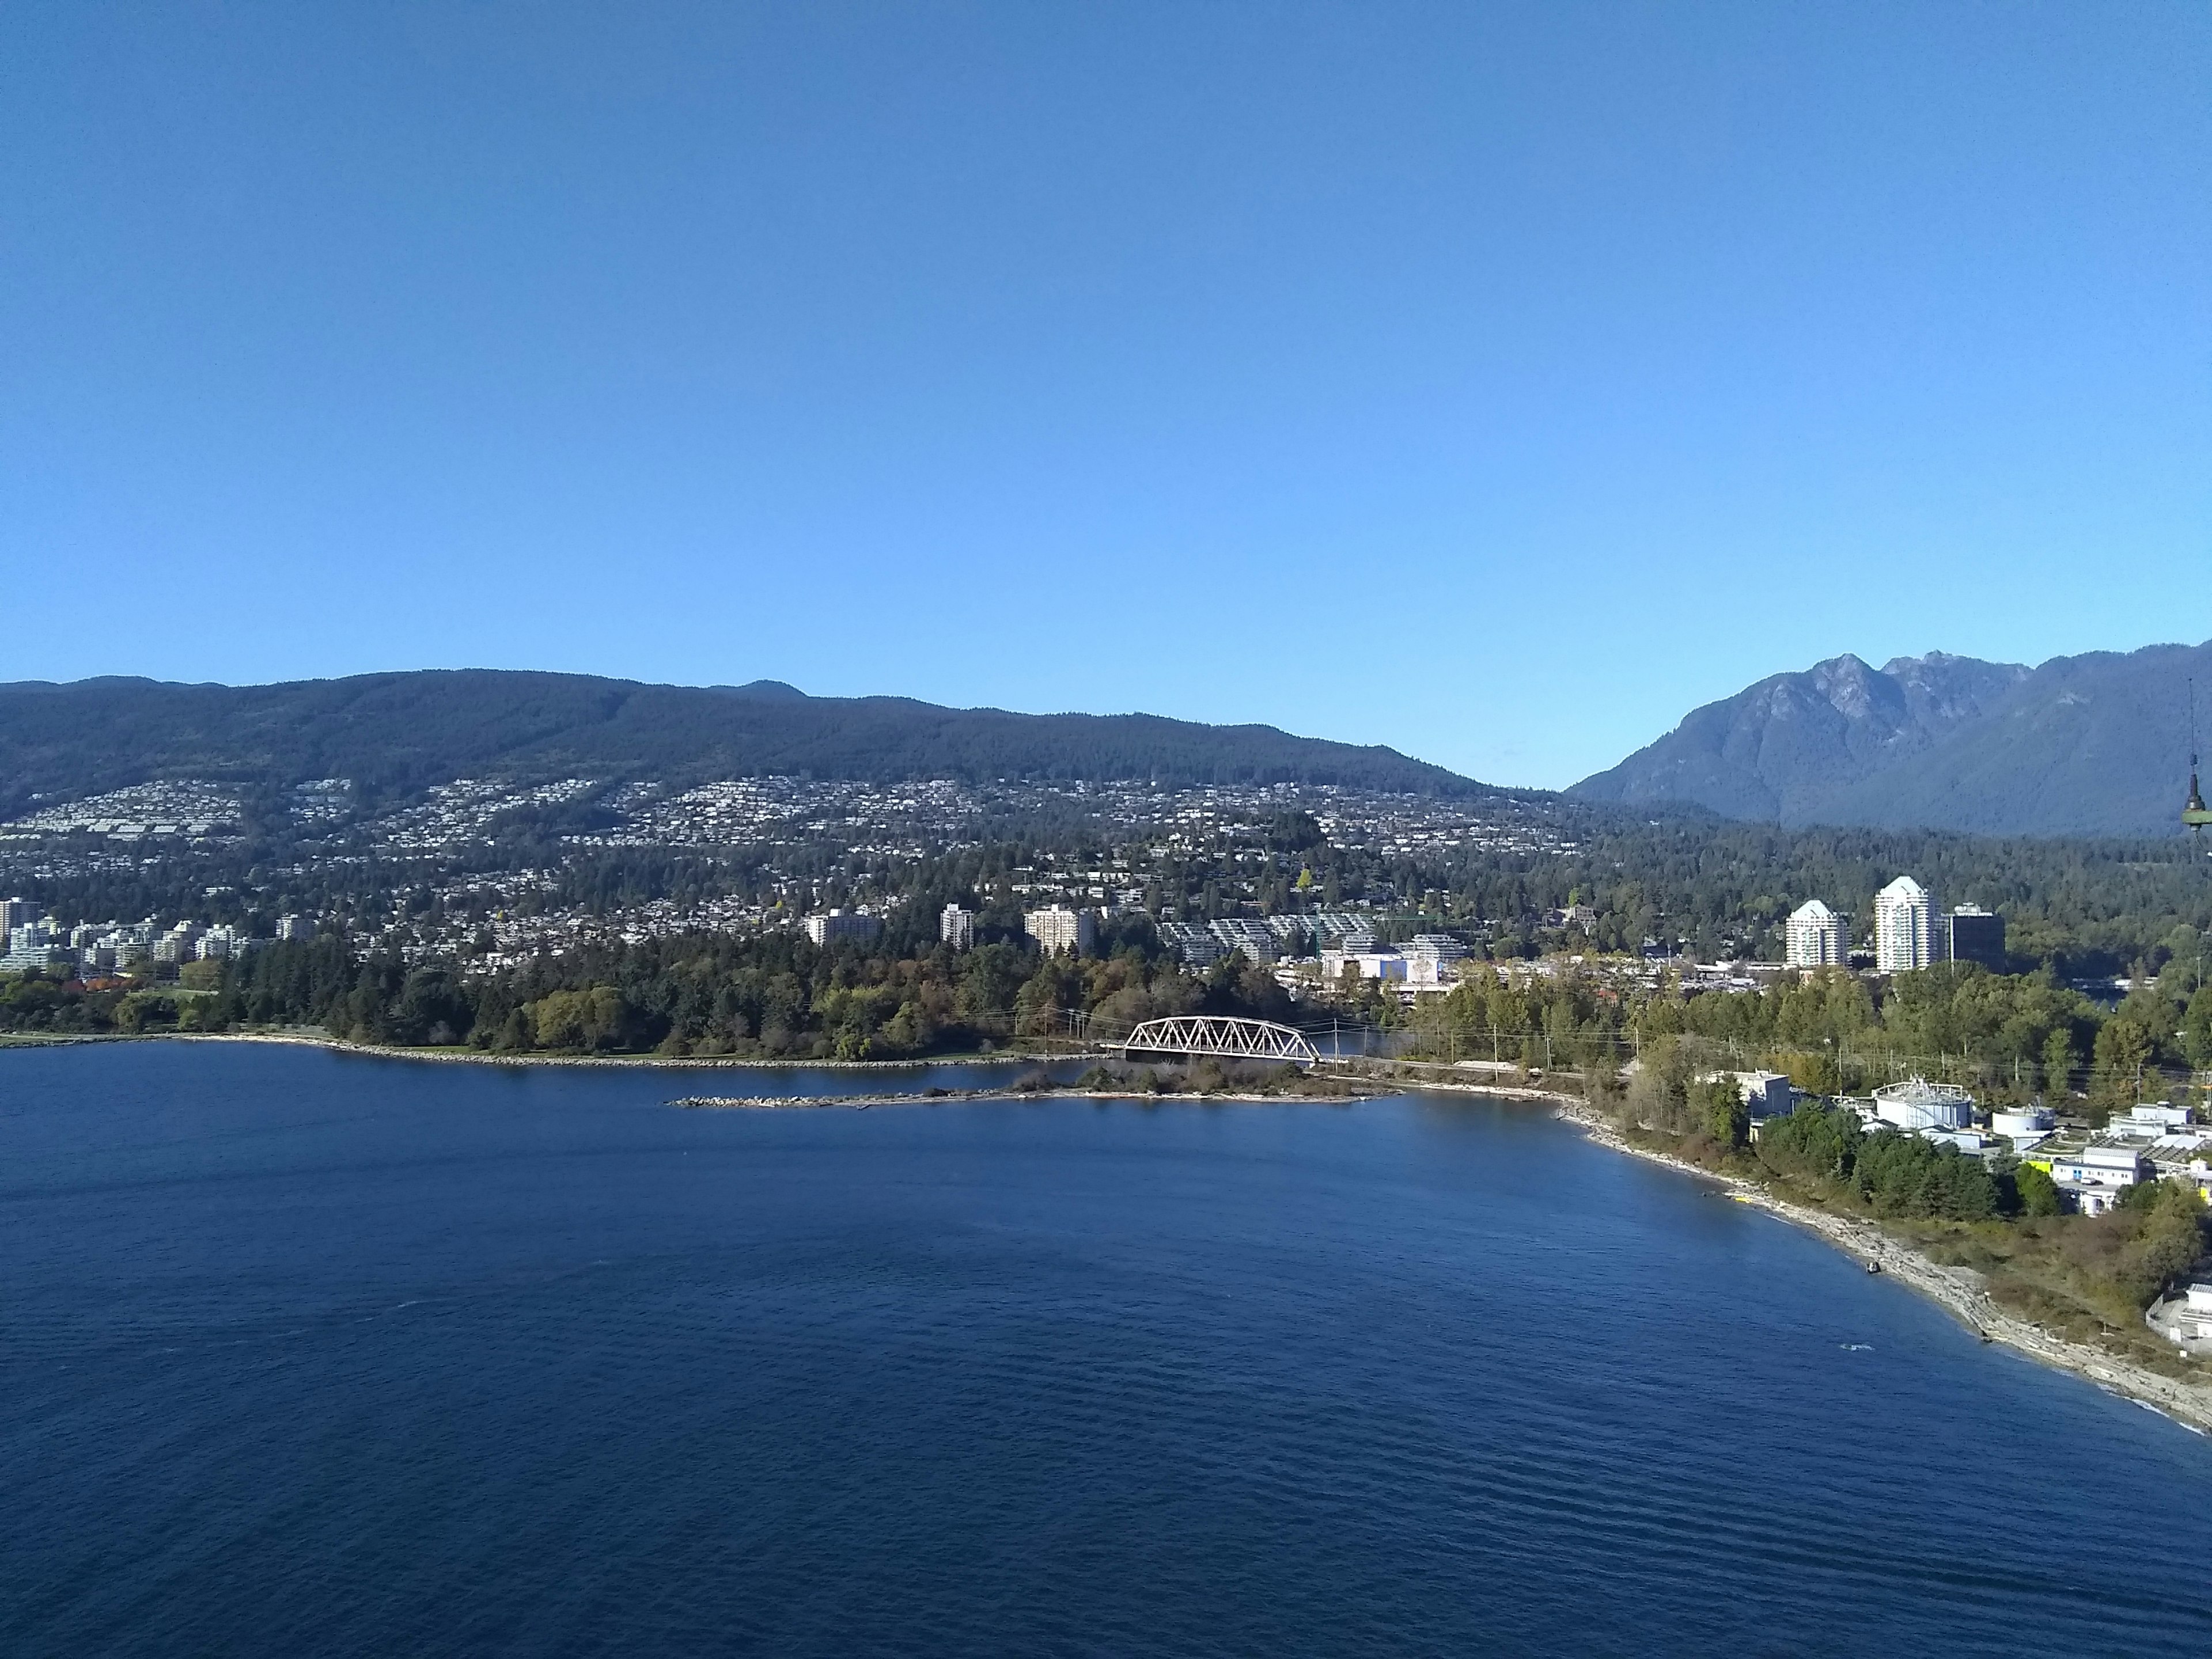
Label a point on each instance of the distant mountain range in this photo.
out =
(2089, 745)
(403, 732)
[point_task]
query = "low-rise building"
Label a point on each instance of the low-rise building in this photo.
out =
(2186, 1319)
(1433, 958)
(1767, 1093)
(2150, 1118)
(2096, 1176)
(1370, 964)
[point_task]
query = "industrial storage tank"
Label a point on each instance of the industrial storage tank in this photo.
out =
(1916, 1103)
(2023, 1123)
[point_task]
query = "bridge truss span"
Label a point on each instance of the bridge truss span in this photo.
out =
(1221, 1035)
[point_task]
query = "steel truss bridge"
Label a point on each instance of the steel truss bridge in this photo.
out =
(1221, 1035)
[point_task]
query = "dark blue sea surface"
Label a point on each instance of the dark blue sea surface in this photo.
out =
(311, 1354)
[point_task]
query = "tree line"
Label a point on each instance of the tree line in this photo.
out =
(2009, 1036)
(776, 997)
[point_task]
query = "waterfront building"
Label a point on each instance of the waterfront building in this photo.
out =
(1769, 1094)
(1903, 927)
(839, 927)
(1057, 928)
(1976, 935)
(1816, 937)
(956, 927)
(2187, 1318)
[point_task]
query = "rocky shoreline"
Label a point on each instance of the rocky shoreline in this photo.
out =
(1958, 1290)
(956, 1096)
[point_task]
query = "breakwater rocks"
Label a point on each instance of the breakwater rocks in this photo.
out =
(862, 1102)
(763, 1102)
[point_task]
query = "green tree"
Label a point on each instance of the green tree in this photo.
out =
(2197, 1028)
(2058, 1060)
(2124, 1048)
(2038, 1193)
(1720, 1107)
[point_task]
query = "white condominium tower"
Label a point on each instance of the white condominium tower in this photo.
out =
(1816, 937)
(1904, 927)
(956, 927)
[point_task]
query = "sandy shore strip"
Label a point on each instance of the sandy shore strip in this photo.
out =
(1958, 1290)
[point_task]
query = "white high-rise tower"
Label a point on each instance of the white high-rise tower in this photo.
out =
(1904, 927)
(1816, 937)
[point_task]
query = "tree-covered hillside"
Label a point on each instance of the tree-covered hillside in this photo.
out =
(394, 733)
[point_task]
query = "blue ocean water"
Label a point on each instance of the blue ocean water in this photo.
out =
(311, 1354)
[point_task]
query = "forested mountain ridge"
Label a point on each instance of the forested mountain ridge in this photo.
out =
(402, 731)
(2095, 744)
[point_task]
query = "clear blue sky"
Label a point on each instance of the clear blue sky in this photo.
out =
(1493, 382)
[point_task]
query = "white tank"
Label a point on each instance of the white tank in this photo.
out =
(1916, 1103)
(2023, 1121)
